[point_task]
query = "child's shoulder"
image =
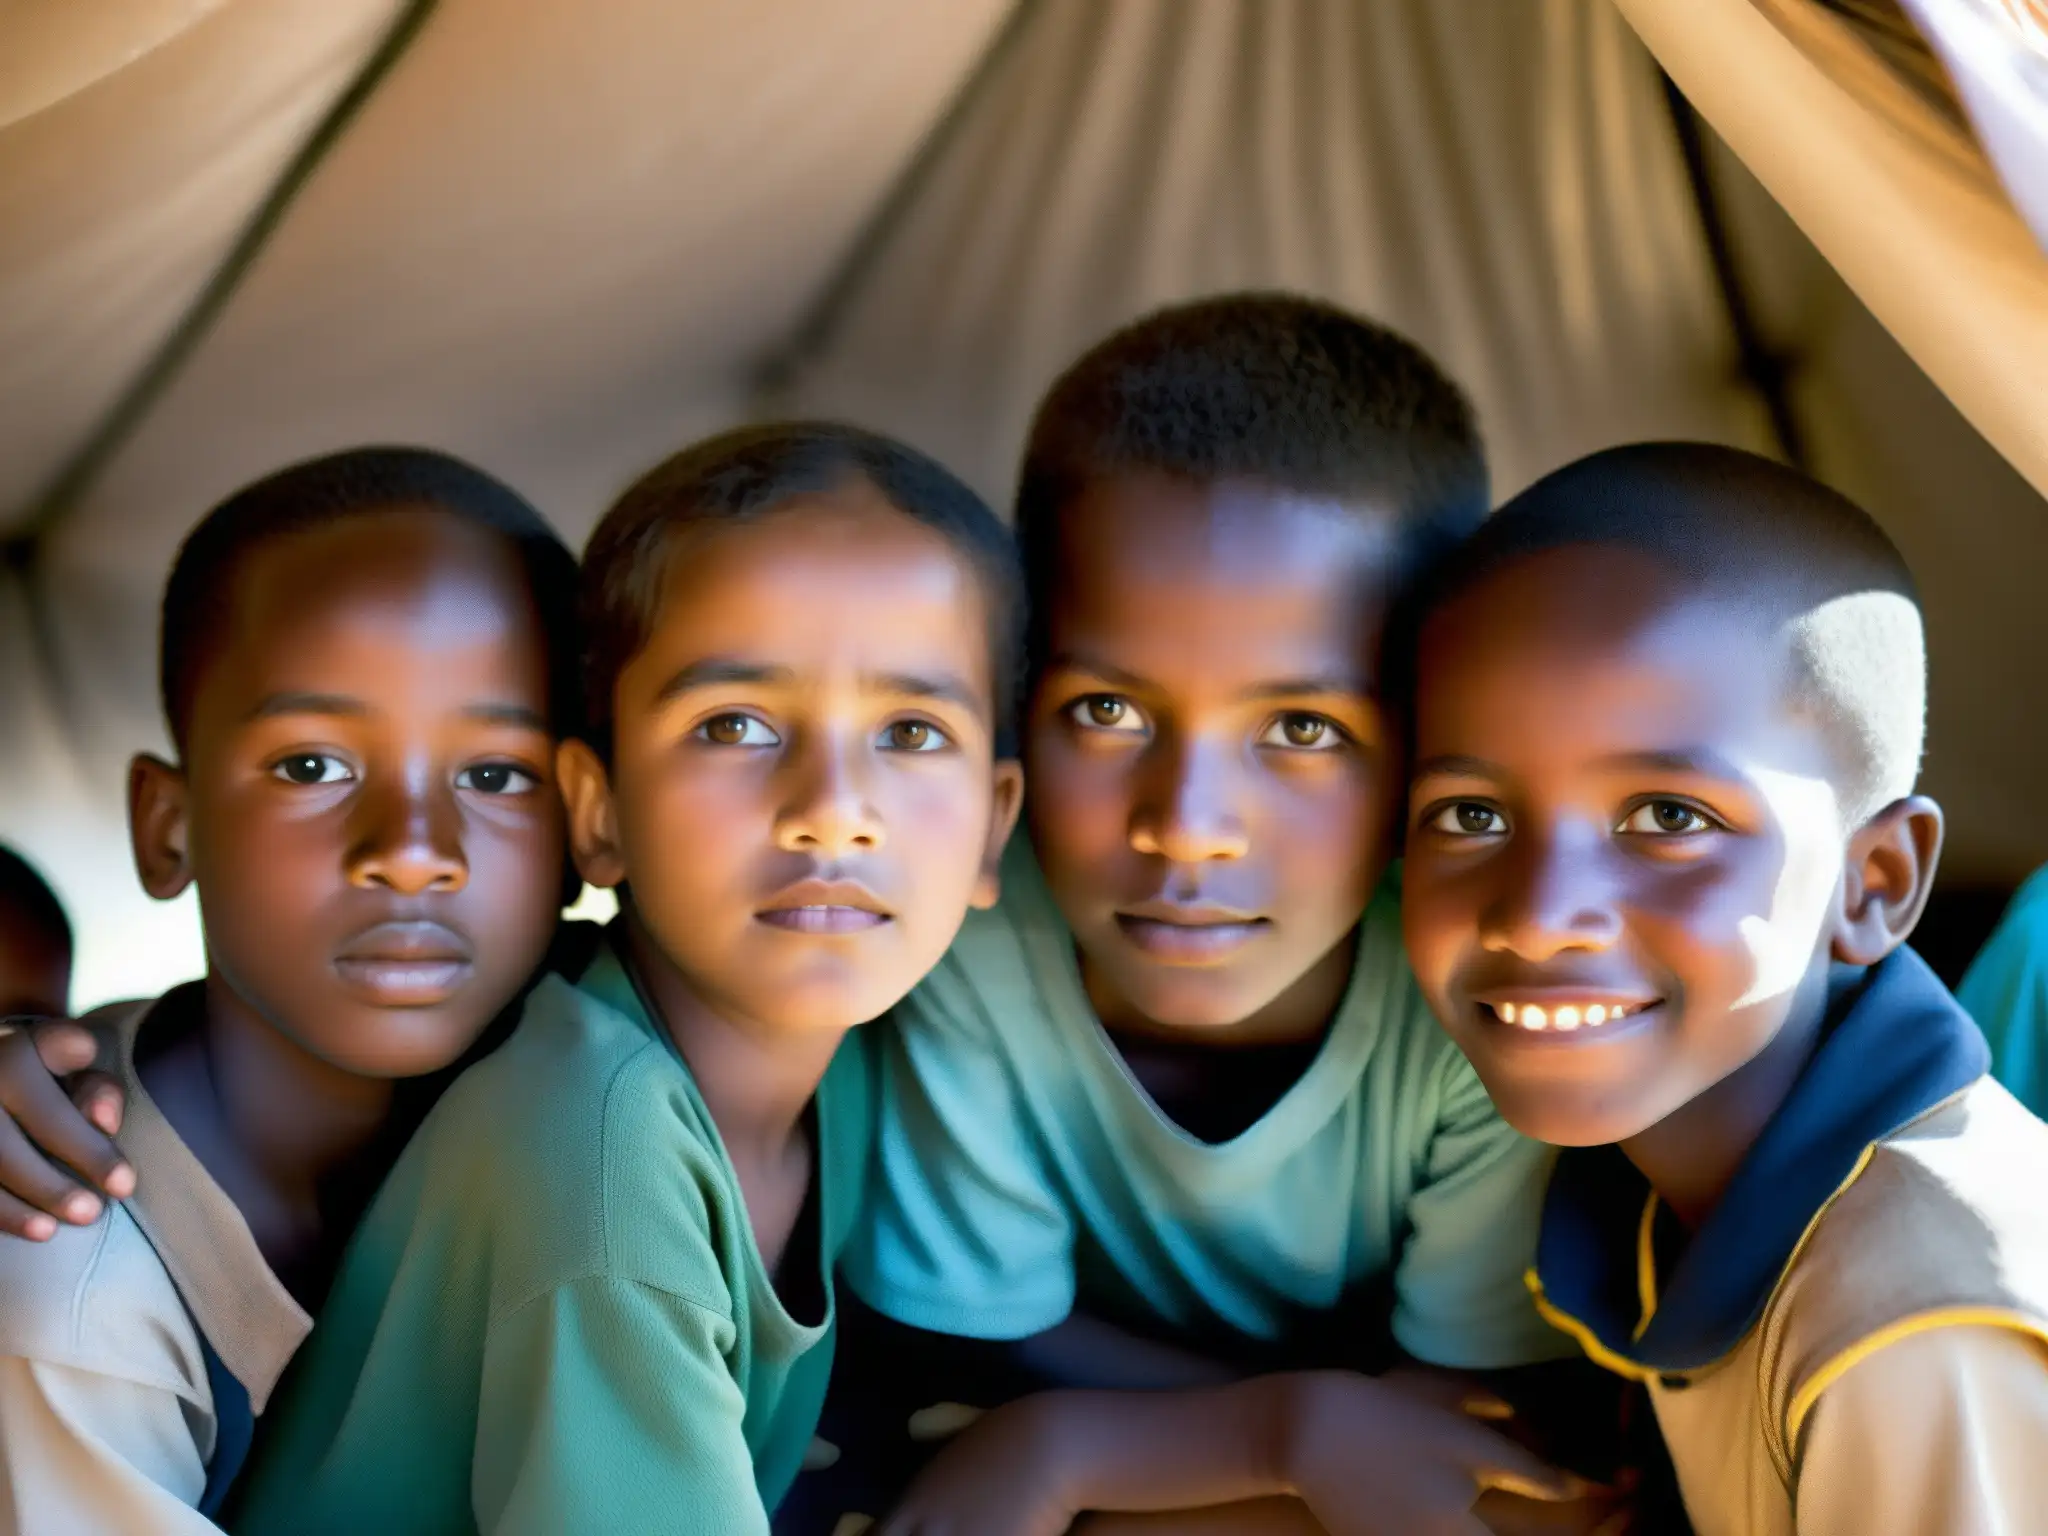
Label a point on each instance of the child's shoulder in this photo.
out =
(1940, 1226)
(99, 1299)
(581, 1125)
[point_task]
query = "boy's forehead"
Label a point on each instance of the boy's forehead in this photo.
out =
(840, 579)
(1586, 649)
(335, 605)
(1238, 572)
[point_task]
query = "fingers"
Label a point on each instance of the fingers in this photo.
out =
(63, 1047)
(100, 1098)
(42, 1129)
(1442, 1389)
(25, 1221)
(1498, 1463)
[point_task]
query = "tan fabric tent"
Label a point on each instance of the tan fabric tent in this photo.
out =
(562, 236)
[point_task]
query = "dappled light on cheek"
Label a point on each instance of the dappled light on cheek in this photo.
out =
(1780, 942)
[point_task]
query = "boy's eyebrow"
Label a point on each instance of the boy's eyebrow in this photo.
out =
(1458, 766)
(945, 685)
(507, 714)
(306, 704)
(1277, 688)
(721, 670)
(1703, 762)
(1297, 687)
(725, 670)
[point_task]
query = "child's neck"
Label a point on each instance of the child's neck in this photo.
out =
(757, 1084)
(1691, 1156)
(277, 1128)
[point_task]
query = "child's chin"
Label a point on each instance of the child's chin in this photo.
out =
(1563, 1121)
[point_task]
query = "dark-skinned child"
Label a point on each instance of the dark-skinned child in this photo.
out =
(365, 662)
(1174, 1117)
(1664, 854)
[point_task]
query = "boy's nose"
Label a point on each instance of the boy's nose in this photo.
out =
(830, 814)
(411, 842)
(1185, 812)
(1554, 897)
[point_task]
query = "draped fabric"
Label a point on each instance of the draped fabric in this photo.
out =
(561, 238)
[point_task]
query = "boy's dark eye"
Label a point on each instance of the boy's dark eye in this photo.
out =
(913, 736)
(1302, 730)
(1667, 818)
(1468, 818)
(1106, 712)
(737, 731)
(311, 768)
(495, 779)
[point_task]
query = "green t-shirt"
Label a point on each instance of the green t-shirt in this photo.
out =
(2006, 992)
(554, 1317)
(1020, 1168)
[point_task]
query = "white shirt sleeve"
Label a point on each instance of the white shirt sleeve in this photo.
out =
(1945, 1430)
(88, 1453)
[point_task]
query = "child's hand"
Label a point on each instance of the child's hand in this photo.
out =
(999, 1478)
(42, 1128)
(1371, 1458)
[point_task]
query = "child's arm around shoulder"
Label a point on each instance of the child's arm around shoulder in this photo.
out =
(1942, 1430)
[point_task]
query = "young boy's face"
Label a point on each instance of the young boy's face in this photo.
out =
(367, 801)
(1211, 779)
(803, 795)
(1624, 847)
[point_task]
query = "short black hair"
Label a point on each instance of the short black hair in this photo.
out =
(348, 484)
(1273, 388)
(747, 474)
(27, 895)
(1812, 565)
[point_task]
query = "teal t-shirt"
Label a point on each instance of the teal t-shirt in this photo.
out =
(2006, 992)
(1021, 1168)
(554, 1317)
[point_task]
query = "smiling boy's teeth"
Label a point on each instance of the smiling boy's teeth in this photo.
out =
(1567, 1016)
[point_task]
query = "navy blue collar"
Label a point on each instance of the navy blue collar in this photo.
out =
(1895, 1045)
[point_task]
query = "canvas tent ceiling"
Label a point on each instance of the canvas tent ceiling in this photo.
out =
(562, 236)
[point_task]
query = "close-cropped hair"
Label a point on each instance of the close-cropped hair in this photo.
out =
(354, 483)
(748, 474)
(26, 896)
(1271, 388)
(1793, 554)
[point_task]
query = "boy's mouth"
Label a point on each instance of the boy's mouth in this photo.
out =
(1189, 933)
(827, 907)
(413, 964)
(1567, 1015)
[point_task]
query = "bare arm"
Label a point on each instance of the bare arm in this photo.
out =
(1363, 1457)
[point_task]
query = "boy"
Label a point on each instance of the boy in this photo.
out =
(364, 660)
(596, 1293)
(1177, 1094)
(1664, 854)
(35, 942)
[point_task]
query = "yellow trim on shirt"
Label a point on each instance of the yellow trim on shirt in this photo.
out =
(1589, 1341)
(1646, 1265)
(1904, 1328)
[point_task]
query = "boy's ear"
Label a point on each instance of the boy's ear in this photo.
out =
(1009, 801)
(593, 819)
(1889, 876)
(159, 828)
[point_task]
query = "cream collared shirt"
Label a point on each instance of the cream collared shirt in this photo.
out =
(107, 1419)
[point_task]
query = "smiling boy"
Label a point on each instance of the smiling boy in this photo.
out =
(596, 1293)
(365, 659)
(1664, 854)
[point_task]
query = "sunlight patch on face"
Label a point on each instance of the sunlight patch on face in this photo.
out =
(1781, 941)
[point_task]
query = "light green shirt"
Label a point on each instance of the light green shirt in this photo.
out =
(554, 1318)
(1021, 1167)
